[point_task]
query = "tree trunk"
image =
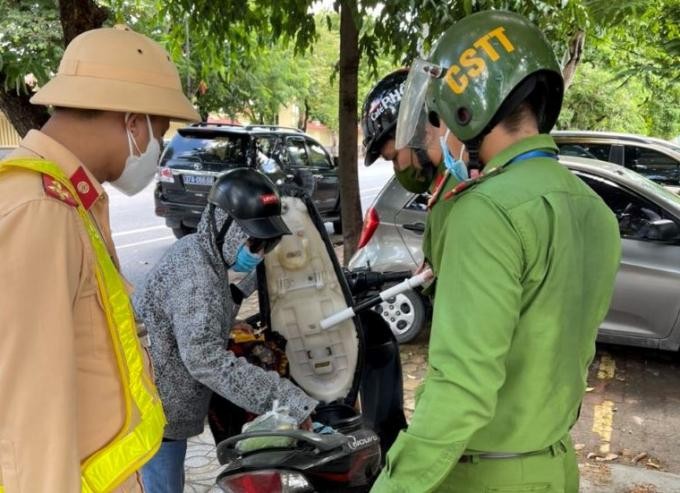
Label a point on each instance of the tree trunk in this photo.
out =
(304, 116)
(23, 115)
(573, 57)
(76, 16)
(349, 83)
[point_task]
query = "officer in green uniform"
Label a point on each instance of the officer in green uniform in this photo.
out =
(525, 266)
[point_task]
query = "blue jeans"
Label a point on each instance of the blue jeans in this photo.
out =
(164, 473)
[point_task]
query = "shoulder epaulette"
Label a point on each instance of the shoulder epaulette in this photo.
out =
(469, 184)
(56, 190)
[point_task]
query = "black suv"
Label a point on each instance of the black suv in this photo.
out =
(198, 153)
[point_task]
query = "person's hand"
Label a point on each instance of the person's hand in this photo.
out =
(307, 425)
(243, 327)
(424, 267)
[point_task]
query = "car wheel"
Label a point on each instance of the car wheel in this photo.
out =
(337, 227)
(405, 313)
(182, 230)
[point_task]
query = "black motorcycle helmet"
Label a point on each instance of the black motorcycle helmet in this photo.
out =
(250, 199)
(379, 113)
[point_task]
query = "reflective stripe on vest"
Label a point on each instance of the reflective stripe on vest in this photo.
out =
(107, 468)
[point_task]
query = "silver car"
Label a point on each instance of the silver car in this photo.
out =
(645, 310)
(656, 159)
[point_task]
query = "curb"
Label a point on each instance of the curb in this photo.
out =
(618, 478)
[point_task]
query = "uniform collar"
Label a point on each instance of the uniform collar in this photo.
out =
(88, 188)
(542, 142)
(439, 176)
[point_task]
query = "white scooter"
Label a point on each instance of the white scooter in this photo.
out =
(339, 352)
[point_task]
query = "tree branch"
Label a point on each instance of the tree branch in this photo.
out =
(576, 44)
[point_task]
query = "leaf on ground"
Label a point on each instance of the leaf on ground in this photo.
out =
(607, 458)
(639, 457)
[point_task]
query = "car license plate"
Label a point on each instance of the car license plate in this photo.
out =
(198, 180)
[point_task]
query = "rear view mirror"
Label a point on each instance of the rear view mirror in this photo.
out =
(336, 161)
(662, 230)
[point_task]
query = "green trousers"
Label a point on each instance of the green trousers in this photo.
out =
(555, 471)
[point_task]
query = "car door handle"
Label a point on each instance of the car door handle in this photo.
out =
(416, 227)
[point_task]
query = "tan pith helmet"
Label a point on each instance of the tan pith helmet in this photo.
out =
(117, 69)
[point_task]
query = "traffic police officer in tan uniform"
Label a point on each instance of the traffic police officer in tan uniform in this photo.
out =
(79, 410)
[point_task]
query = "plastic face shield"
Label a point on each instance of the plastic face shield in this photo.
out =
(412, 119)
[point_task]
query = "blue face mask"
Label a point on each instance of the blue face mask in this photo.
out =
(246, 261)
(455, 166)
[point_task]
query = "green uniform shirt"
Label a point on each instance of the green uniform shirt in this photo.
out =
(436, 217)
(525, 266)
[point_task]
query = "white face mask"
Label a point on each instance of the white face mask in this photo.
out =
(139, 170)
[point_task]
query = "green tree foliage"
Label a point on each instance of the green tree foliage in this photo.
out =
(255, 54)
(30, 41)
(588, 106)
(601, 100)
(638, 45)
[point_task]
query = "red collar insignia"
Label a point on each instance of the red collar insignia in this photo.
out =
(86, 190)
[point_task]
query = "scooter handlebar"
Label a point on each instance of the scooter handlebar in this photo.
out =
(347, 313)
(361, 281)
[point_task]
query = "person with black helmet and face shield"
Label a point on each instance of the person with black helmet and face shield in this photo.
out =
(187, 307)
(418, 167)
(525, 264)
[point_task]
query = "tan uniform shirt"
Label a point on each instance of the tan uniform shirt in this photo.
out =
(60, 391)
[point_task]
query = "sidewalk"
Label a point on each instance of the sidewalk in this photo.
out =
(619, 478)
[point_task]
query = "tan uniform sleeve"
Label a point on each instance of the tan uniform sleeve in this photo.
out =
(40, 263)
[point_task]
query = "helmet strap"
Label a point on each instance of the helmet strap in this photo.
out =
(428, 167)
(472, 147)
(219, 235)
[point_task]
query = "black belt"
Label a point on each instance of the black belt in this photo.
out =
(473, 457)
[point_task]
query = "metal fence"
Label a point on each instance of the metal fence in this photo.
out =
(8, 136)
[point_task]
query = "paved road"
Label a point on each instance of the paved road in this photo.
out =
(630, 414)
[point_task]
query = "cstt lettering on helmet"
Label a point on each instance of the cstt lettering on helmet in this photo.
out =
(488, 48)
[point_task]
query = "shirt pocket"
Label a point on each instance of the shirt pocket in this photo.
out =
(91, 327)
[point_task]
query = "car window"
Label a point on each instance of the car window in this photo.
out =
(268, 153)
(221, 149)
(652, 164)
(297, 151)
(632, 211)
(317, 155)
(418, 202)
(592, 151)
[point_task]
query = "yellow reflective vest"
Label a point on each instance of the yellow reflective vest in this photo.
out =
(136, 443)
